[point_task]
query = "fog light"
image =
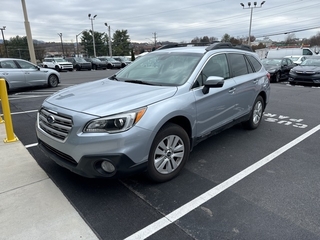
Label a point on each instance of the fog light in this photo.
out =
(108, 167)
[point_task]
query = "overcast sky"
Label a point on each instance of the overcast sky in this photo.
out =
(168, 20)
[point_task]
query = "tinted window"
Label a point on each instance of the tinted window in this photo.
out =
(238, 64)
(254, 63)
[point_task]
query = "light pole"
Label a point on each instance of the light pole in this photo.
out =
(4, 42)
(60, 34)
(94, 45)
(251, 8)
(109, 38)
(77, 41)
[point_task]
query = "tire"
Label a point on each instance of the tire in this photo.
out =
(278, 77)
(53, 81)
(57, 68)
(256, 114)
(95, 67)
(168, 154)
(78, 68)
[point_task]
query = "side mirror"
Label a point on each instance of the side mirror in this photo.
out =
(212, 82)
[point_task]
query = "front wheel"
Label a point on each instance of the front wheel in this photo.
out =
(53, 81)
(278, 77)
(169, 152)
(256, 114)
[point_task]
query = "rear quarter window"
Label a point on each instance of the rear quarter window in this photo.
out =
(256, 65)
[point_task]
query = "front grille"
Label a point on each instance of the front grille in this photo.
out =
(56, 125)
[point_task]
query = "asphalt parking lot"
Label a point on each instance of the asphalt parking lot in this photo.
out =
(239, 184)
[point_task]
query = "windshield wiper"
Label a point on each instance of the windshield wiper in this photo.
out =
(114, 77)
(139, 82)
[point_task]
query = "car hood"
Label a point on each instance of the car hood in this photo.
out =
(307, 68)
(107, 97)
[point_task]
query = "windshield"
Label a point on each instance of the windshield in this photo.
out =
(110, 59)
(80, 59)
(270, 61)
(95, 59)
(311, 62)
(161, 68)
(60, 60)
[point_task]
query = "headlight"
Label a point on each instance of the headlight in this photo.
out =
(115, 123)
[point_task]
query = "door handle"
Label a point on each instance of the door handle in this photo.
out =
(232, 90)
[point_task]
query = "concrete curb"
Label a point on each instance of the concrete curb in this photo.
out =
(31, 205)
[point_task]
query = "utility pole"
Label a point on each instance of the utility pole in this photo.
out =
(109, 38)
(155, 39)
(60, 34)
(28, 31)
(4, 41)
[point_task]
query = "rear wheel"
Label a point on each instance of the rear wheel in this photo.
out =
(53, 81)
(57, 68)
(169, 153)
(278, 77)
(256, 114)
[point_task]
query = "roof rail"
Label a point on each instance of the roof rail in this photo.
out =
(174, 45)
(220, 45)
(211, 46)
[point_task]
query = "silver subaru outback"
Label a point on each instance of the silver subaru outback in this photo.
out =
(150, 115)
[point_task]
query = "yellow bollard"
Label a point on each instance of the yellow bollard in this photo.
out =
(6, 112)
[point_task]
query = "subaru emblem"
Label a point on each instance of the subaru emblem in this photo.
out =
(50, 119)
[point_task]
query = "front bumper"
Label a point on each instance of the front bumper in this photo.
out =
(304, 79)
(90, 165)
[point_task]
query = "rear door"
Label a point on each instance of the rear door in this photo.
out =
(12, 73)
(248, 81)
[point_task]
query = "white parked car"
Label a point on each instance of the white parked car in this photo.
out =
(297, 59)
(57, 63)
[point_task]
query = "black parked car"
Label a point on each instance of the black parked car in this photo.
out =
(79, 63)
(97, 63)
(308, 72)
(278, 68)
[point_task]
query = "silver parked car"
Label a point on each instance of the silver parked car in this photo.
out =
(150, 115)
(20, 73)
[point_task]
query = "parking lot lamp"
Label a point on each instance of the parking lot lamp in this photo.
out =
(4, 42)
(251, 8)
(94, 45)
(109, 38)
(60, 34)
(77, 41)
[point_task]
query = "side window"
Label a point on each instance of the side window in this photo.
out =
(216, 66)
(8, 64)
(306, 52)
(255, 63)
(238, 64)
(25, 65)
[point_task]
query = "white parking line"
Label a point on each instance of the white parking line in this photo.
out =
(193, 204)
(30, 111)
